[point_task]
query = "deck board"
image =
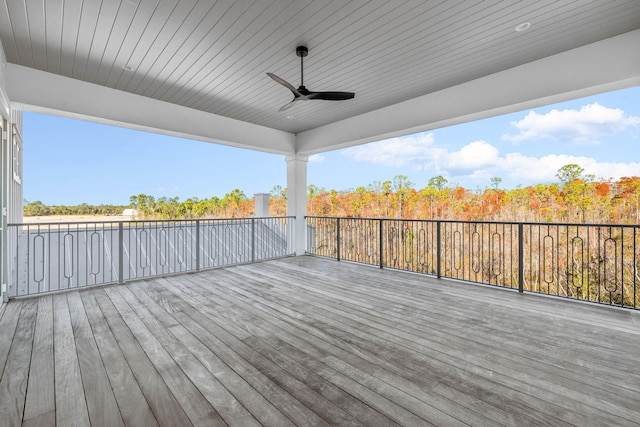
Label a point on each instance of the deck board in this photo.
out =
(101, 403)
(265, 412)
(196, 406)
(341, 349)
(397, 374)
(469, 353)
(13, 384)
(40, 404)
(162, 402)
(9, 321)
(225, 404)
(71, 401)
(132, 404)
(238, 353)
(311, 341)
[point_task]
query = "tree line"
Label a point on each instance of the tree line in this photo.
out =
(577, 197)
(234, 204)
(38, 208)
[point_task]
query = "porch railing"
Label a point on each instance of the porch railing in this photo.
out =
(56, 256)
(591, 262)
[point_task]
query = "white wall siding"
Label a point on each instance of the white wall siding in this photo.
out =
(10, 172)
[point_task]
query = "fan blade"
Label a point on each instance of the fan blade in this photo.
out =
(285, 83)
(331, 96)
(289, 105)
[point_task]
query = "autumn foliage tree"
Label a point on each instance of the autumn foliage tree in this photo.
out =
(577, 198)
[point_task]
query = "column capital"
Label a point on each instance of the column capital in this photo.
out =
(298, 157)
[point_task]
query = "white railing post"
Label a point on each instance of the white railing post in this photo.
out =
(120, 253)
(253, 240)
(197, 245)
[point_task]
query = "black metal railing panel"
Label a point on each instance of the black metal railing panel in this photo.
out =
(358, 240)
(322, 236)
(409, 245)
(589, 262)
(59, 256)
(599, 263)
(480, 252)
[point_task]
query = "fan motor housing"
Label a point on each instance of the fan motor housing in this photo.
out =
(302, 51)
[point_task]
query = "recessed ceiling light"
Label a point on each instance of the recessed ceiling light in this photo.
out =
(523, 27)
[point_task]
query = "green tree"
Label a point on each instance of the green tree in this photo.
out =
(232, 201)
(578, 188)
(435, 193)
(313, 191)
(568, 173)
(438, 182)
(36, 208)
(278, 191)
(402, 190)
(495, 182)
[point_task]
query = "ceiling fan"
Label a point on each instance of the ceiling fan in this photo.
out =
(304, 94)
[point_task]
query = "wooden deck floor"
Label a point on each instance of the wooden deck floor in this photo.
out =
(310, 341)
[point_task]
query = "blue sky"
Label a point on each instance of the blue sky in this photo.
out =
(71, 162)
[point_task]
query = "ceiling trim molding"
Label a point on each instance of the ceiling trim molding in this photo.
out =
(33, 90)
(4, 99)
(595, 68)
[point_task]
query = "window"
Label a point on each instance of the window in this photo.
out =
(17, 155)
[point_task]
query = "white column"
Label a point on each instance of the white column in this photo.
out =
(261, 209)
(297, 198)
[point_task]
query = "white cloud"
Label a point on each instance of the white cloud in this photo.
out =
(578, 126)
(398, 152)
(529, 169)
(474, 155)
(478, 161)
(526, 169)
(419, 152)
(316, 158)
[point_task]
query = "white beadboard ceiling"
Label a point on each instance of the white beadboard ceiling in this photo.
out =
(213, 55)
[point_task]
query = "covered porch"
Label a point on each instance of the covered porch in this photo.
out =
(304, 340)
(312, 341)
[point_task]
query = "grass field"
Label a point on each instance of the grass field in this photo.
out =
(76, 218)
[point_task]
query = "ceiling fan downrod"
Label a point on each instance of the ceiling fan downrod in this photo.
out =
(302, 51)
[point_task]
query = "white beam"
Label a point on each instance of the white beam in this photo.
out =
(39, 91)
(599, 67)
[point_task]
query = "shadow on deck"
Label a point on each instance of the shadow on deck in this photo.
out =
(311, 341)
